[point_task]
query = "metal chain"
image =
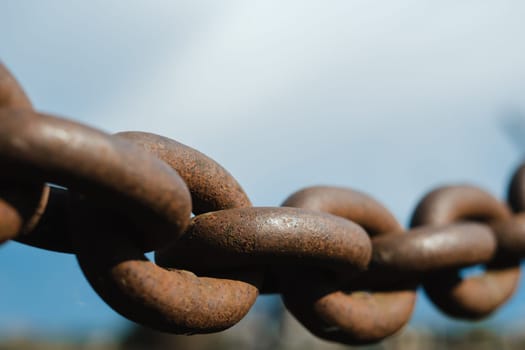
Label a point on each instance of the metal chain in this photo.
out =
(345, 267)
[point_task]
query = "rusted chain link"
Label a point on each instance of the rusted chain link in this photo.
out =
(345, 267)
(142, 291)
(473, 297)
(354, 317)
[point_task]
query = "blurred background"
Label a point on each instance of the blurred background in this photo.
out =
(390, 98)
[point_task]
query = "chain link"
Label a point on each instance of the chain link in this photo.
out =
(346, 269)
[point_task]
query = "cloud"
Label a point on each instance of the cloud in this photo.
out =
(303, 53)
(281, 87)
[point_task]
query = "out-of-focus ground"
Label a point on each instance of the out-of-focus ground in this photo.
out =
(260, 333)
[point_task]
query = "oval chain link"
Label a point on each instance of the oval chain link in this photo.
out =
(477, 296)
(353, 317)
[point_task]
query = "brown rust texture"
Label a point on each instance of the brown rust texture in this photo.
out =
(112, 171)
(11, 93)
(449, 204)
(173, 301)
(236, 238)
(21, 204)
(429, 249)
(478, 296)
(347, 203)
(354, 317)
(212, 187)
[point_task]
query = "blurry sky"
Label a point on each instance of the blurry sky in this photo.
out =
(388, 97)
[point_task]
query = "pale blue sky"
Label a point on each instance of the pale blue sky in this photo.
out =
(390, 98)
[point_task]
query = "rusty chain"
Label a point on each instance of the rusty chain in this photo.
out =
(345, 267)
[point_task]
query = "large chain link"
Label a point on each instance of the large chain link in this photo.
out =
(344, 266)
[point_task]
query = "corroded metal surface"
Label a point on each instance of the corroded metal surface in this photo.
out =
(211, 186)
(429, 249)
(235, 238)
(365, 307)
(449, 204)
(352, 317)
(172, 301)
(347, 203)
(472, 297)
(475, 297)
(21, 204)
(122, 176)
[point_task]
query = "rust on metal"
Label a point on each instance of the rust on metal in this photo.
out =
(429, 249)
(172, 301)
(347, 203)
(353, 317)
(212, 187)
(11, 93)
(365, 307)
(242, 237)
(449, 204)
(21, 204)
(478, 296)
(95, 164)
